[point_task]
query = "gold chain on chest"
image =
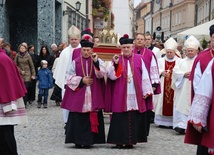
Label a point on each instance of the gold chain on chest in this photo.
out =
(83, 70)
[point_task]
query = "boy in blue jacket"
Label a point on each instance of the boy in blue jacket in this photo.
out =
(45, 79)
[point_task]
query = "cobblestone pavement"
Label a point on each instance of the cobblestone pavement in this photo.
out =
(44, 135)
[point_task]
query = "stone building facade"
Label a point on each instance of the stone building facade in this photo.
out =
(143, 17)
(34, 22)
(182, 16)
(172, 16)
(204, 11)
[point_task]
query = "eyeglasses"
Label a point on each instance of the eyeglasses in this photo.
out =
(147, 39)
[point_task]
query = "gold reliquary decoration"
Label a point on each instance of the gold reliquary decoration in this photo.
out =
(108, 45)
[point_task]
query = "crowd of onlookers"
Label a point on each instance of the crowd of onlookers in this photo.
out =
(29, 63)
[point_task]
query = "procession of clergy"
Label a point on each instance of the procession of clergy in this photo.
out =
(139, 82)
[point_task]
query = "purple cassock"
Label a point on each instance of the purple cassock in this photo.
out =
(130, 83)
(85, 124)
(10, 73)
(74, 99)
(147, 56)
(118, 97)
(192, 136)
(76, 53)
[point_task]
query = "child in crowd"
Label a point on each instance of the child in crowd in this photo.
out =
(45, 79)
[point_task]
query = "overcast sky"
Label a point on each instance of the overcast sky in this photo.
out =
(136, 2)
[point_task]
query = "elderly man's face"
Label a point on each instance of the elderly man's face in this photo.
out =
(191, 52)
(127, 49)
(170, 54)
(74, 42)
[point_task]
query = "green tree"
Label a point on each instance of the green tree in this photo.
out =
(204, 43)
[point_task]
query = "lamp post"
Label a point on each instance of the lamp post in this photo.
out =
(78, 5)
(2, 2)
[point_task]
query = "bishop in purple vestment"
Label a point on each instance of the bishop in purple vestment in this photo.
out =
(131, 87)
(84, 98)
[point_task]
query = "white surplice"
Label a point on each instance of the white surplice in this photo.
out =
(131, 93)
(202, 100)
(157, 52)
(158, 99)
(60, 72)
(182, 92)
(73, 81)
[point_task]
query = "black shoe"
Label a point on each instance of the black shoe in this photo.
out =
(128, 147)
(166, 127)
(180, 130)
(118, 146)
(57, 104)
(162, 126)
(30, 102)
(86, 146)
(170, 127)
(78, 146)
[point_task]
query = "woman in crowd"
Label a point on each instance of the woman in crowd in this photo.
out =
(45, 55)
(25, 65)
